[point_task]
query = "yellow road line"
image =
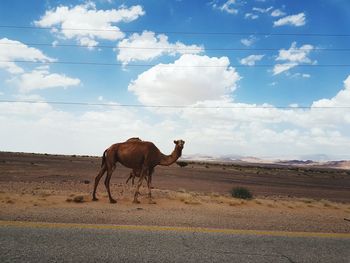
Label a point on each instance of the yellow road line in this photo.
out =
(28, 224)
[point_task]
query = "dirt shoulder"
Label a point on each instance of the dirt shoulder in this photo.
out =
(43, 189)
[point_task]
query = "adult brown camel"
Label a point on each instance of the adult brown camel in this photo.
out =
(139, 155)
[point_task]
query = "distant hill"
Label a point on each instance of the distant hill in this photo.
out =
(342, 164)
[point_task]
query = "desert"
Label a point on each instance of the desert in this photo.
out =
(57, 188)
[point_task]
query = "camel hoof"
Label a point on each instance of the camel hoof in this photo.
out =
(112, 201)
(94, 199)
(136, 201)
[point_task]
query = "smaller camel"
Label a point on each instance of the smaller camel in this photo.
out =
(138, 155)
(134, 173)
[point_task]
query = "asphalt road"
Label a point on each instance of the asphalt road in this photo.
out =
(37, 242)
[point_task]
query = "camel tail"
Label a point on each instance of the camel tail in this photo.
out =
(104, 158)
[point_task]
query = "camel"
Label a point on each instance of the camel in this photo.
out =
(138, 155)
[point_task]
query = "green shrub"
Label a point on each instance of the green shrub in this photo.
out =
(181, 163)
(241, 193)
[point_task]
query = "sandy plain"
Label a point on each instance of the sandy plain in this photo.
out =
(56, 188)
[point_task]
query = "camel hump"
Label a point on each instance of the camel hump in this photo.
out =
(134, 139)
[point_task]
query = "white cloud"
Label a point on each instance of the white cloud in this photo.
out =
(240, 128)
(257, 10)
(251, 60)
(341, 99)
(292, 57)
(94, 24)
(301, 75)
(230, 6)
(88, 42)
(11, 50)
(295, 54)
(297, 131)
(248, 41)
(262, 10)
(148, 45)
(189, 79)
(49, 130)
(277, 13)
(293, 20)
(251, 16)
(41, 78)
(279, 68)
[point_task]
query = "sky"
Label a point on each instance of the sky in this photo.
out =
(261, 78)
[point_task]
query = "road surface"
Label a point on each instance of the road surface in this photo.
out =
(50, 242)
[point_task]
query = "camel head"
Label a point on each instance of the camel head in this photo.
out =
(179, 144)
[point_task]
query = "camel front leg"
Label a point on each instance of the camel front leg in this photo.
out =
(150, 200)
(97, 180)
(150, 181)
(149, 185)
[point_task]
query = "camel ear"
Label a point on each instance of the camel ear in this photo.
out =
(175, 141)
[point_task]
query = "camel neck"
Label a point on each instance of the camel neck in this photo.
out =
(167, 160)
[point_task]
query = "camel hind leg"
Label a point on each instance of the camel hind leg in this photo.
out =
(97, 180)
(107, 183)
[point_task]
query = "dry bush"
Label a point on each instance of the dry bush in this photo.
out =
(307, 200)
(241, 193)
(182, 163)
(76, 199)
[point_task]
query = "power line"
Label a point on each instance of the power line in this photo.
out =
(91, 63)
(182, 32)
(170, 106)
(171, 48)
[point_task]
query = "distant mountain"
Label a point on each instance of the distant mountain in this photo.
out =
(201, 157)
(319, 160)
(316, 157)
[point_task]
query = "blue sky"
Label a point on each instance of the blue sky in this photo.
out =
(232, 64)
